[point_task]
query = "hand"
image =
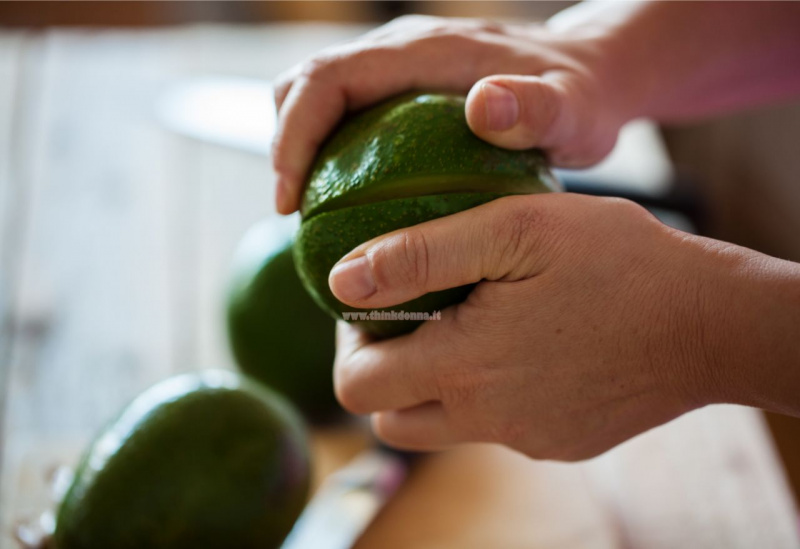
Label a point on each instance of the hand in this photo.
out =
(528, 87)
(591, 322)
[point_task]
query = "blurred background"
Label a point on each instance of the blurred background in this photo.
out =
(138, 14)
(116, 233)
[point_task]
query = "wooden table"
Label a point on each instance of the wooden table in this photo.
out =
(115, 240)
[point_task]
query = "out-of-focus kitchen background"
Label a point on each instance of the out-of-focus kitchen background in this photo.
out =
(116, 234)
(138, 14)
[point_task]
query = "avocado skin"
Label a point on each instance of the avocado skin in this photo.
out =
(207, 460)
(279, 336)
(412, 145)
(400, 163)
(326, 238)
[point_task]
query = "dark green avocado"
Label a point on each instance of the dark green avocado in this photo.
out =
(398, 164)
(207, 459)
(277, 333)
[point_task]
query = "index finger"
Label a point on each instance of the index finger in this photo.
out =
(331, 86)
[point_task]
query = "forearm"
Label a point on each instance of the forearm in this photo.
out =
(686, 60)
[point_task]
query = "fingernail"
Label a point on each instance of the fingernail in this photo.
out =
(502, 107)
(352, 280)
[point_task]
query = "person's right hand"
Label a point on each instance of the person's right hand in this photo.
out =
(528, 87)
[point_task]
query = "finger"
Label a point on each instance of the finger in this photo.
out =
(297, 137)
(521, 112)
(421, 428)
(501, 240)
(372, 376)
(350, 80)
(283, 83)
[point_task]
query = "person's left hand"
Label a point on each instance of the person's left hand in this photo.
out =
(586, 327)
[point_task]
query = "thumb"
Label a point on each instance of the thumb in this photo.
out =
(520, 112)
(498, 240)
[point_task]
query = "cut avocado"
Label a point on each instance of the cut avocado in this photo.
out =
(208, 459)
(401, 163)
(277, 333)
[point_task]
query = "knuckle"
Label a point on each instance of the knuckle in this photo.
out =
(281, 90)
(627, 209)
(459, 385)
(621, 204)
(456, 37)
(417, 257)
(460, 394)
(442, 31)
(319, 67)
(405, 260)
(372, 59)
(512, 231)
(285, 78)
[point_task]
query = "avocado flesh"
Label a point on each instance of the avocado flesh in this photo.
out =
(277, 333)
(208, 460)
(406, 161)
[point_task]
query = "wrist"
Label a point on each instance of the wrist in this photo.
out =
(745, 328)
(767, 323)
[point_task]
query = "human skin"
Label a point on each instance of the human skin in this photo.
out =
(572, 84)
(591, 321)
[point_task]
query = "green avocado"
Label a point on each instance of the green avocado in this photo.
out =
(208, 459)
(398, 164)
(277, 333)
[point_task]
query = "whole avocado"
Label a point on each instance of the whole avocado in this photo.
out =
(277, 333)
(207, 459)
(403, 162)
